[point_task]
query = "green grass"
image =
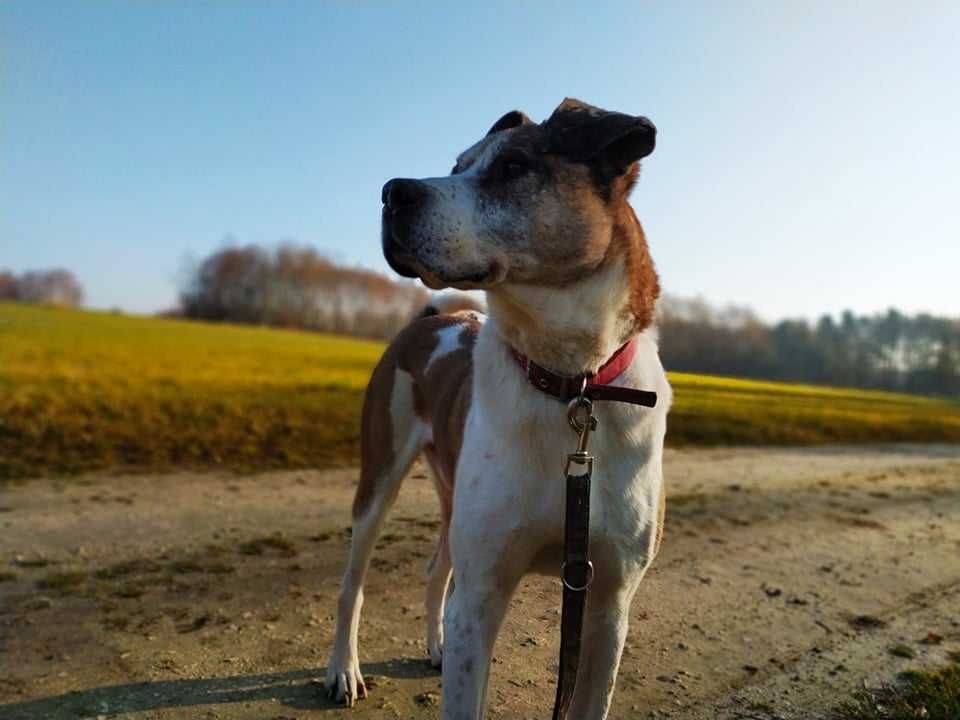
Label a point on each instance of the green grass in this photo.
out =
(82, 391)
(902, 651)
(928, 694)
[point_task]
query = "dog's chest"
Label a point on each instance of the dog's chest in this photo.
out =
(510, 477)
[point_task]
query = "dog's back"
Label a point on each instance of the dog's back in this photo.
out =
(452, 302)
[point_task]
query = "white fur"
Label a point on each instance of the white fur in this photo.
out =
(509, 508)
(508, 499)
(509, 505)
(454, 216)
(567, 314)
(449, 341)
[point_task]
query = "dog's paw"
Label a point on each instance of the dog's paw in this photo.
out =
(435, 641)
(344, 683)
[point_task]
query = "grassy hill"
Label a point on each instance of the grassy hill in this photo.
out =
(83, 391)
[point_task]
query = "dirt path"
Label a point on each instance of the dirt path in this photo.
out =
(785, 578)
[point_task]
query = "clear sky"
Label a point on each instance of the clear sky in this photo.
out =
(808, 154)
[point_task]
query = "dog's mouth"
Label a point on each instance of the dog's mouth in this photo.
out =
(393, 249)
(400, 264)
(407, 263)
(480, 280)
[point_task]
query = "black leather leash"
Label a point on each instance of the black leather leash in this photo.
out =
(576, 572)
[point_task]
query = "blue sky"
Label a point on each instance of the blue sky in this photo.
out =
(807, 154)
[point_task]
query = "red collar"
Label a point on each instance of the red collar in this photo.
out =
(595, 386)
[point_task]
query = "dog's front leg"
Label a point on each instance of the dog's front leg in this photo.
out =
(604, 633)
(475, 610)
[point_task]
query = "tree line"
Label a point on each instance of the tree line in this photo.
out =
(890, 351)
(292, 286)
(53, 287)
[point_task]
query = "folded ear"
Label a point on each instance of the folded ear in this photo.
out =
(512, 119)
(610, 141)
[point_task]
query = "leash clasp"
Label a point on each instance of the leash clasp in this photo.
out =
(582, 420)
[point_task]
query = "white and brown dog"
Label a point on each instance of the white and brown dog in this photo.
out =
(537, 216)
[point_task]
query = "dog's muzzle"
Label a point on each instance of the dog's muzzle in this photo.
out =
(413, 253)
(402, 199)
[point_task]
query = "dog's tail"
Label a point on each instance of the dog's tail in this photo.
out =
(451, 302)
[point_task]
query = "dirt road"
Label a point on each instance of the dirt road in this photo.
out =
(786, 577)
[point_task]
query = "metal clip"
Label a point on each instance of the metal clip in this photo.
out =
(582, 420)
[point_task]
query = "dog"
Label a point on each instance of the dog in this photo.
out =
(537, 216)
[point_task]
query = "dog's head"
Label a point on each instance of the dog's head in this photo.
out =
(529, 203)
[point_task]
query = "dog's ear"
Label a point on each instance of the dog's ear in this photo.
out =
(609, 141)
(512, 119)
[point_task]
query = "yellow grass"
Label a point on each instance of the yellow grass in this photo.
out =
(84, 391)
(709, 410)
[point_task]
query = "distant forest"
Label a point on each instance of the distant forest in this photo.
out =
(51, 287)
(297, 287)
(889, 351)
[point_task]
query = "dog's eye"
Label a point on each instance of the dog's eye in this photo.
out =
(513, 166)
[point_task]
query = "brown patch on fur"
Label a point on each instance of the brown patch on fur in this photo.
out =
(376, 430)
(442, 391)
(571, 226)
(602, 235)
(441, 398)
(630, 243)
(577, 232)
(451, 375)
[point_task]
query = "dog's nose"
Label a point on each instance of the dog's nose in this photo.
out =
(400, 193)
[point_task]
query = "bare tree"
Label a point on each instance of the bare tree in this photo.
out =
(56, 287)
(8, 285)
(295, 286)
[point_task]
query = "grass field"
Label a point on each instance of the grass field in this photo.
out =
(84, 391)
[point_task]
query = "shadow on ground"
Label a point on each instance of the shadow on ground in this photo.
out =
(298, 689)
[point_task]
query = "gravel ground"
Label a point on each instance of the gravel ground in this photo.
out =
(785, 578)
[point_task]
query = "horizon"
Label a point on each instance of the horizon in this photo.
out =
(803, 167)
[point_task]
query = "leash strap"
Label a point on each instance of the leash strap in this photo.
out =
(576, 574)
(580, 392)
(615, 393)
